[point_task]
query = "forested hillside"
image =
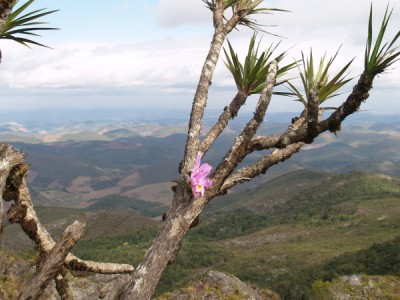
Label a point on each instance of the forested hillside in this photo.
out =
(284, 235)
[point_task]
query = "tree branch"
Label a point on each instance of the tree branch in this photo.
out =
(290, 136)
(359, 94)
(228, 113)
(261, 166)
(201, 95)
(62, 285)
(312, 115)
(53, 261)
(239, 148)
(299, 132)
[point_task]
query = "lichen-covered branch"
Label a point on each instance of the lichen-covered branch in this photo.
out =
(312, 115)
(239, 148)
(293, 134)
(261, 166)
(359, 94)
(228, 113)
(201, 95)
(164, 249)
(299, 130)
(52, 263)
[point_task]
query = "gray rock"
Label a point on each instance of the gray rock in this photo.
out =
(230, 285)
(219, 286)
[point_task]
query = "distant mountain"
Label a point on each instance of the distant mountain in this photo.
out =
(77, 161)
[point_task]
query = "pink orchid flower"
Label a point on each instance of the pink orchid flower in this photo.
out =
(198, 180)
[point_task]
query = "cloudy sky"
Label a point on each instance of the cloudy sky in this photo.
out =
(137, 54)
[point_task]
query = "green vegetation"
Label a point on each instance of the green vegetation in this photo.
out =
(338, 198)
(346, 220)
(321, 227)
(370, 287)
(144, 208)
(127, 249)
(225, 225)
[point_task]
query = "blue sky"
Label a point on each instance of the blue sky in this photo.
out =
(148, 54)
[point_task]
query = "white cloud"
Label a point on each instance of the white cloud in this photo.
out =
(97, 65)
(172, 13)
(170, 67)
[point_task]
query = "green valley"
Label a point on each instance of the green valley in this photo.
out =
(319, 227)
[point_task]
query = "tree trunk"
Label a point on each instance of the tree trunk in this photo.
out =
(165, 247)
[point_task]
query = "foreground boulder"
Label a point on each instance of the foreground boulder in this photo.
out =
(219, 286)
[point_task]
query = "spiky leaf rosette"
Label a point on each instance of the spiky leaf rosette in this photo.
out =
(21, 24)
(250, 76)
(379, 56)
(318, 80)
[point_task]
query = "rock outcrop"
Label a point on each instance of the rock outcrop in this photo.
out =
(219, 286)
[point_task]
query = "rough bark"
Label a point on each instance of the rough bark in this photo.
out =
(164, 248)
(9, 158)
(185, 210)
(53, 261)
(229, 112)
(62, 285)
(5, 10)
(312, 115)
(261, 166)
(299, 131)
(359, 94)
(182, 212)
(201, 95)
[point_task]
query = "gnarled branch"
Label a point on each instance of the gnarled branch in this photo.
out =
(261, 166)
(22, 212)
(53, 261)
(9, 158)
